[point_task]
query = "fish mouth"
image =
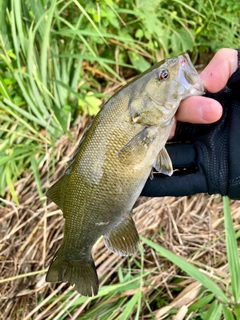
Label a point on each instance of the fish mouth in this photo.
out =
(198, 88)
(189, 77)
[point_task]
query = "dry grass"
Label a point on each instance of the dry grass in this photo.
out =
(31, 233)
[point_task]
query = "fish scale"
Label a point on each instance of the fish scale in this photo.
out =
(124, 142)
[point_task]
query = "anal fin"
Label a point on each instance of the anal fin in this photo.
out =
(123, 239)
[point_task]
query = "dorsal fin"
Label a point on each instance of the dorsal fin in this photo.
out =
(57, 191)
(70, 162)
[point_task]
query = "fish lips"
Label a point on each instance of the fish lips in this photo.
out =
(189, 79)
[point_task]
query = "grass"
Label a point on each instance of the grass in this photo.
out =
(59, 61)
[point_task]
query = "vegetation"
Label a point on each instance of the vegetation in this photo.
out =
(59, 60)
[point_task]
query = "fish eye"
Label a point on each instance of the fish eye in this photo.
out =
(163, 75)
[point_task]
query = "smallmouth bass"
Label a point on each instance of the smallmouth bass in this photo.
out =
(108, 171)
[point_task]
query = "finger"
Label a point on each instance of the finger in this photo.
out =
(199, 110)
(216, 74)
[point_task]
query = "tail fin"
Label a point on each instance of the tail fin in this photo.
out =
(82, 274)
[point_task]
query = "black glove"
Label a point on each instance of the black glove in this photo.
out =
(206, 157)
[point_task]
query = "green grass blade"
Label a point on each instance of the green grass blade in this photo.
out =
(189, 269)
(4, 92)
(33, 74)
(90, 20)
(214, 312)
(128, 310)
(59, 93)
(201, 302)
(232, 251)
(17, 10)
(3, 24)
(10, 183)
(17, 154)
(102, 61)
(24, 122)
(45, 47)
(14, 35)
(24, 113)
(227, 313)
(38, 10)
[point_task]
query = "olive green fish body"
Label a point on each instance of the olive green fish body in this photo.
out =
(111, 165)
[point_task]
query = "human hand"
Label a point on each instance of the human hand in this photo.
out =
(206, 155)
(203, 110)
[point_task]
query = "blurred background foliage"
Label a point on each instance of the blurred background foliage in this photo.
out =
(58, 57)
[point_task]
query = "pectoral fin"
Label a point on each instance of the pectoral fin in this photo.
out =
(123, 239)
(136, 149)
(163, 163)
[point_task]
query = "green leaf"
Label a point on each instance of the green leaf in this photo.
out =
(138, 61)
(90, 104)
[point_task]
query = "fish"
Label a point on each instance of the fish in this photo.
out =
(111, 165)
